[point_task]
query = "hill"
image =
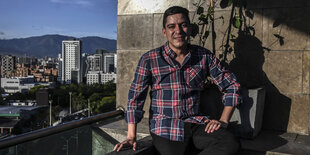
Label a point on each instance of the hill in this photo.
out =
(50, 45)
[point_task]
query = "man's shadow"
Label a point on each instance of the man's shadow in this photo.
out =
(247, 65)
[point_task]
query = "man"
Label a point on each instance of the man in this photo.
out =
(176, 73)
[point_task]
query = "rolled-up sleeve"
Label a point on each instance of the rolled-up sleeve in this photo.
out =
(138, 91)
(226, 81)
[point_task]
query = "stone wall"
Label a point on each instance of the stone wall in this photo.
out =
(283, 70)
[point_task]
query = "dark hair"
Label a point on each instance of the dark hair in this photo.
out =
(175, 10)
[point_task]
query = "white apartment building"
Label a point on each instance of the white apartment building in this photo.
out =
(99, 77)
(105, 77)
(93, 77)
(17, 84)
(71, 61)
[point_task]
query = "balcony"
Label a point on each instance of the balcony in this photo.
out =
(76, 137)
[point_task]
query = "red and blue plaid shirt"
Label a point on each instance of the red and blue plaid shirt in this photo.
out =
(175, 89)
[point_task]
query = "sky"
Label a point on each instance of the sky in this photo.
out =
(77, 18)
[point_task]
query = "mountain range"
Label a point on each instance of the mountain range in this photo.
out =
(50, 45)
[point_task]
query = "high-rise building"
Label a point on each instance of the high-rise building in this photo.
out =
(59, 67)
(71, 61)
(84, 65)
(108, 63)
(95, 62)
(8, 64)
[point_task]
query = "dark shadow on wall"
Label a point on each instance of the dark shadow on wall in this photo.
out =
(248, 67)
(294, 14)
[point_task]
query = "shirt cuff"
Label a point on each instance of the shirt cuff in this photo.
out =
(231, 99)
(133, 116)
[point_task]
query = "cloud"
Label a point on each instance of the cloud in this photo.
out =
(75, 2)
(2, 33)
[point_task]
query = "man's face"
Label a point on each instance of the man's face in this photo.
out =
(176, 31)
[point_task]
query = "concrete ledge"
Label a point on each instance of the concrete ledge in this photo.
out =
(270, 142)
(266, 142)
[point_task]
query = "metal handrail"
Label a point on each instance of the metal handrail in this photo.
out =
(11, 141)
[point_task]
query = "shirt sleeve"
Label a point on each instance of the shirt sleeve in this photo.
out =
(138, 91)
(225, 80)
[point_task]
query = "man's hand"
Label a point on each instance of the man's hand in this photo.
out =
(212, 125)
(129, 142)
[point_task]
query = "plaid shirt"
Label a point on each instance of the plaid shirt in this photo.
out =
(175, 89)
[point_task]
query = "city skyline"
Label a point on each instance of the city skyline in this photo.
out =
(76, 18)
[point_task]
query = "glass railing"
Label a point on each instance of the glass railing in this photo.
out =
(72, 138)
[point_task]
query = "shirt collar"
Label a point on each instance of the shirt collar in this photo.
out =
(171, 53)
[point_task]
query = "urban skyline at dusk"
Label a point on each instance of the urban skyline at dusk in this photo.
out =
(76, 18)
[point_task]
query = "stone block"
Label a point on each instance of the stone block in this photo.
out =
(283, 3)
(205, 5)
(122, 95)
(284, 70)
(306, 73)
(299, 114)
(147, 7)
(127, 61)
(249, 114)
(134, 32)
(221, 27)
(159, 39)
(118, 129)
(286, 112)
(288, 24)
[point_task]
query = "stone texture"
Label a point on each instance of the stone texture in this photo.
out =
(305, 73)
(221, 29)
(276, 143)
(290, 23)
(283, 3)
(118, 129)
(127, 61)
(285, 71)
(299, 114)
(159, 39)
(255, 4)
(122, 95)
(205, 5)
(135, 32)
(147, 7)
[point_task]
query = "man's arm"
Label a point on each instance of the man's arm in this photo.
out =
(213, 125)
(136, 98)
(228, 85)
(131, 139)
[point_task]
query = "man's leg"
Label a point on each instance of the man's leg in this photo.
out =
(220, 142)
(167, 147)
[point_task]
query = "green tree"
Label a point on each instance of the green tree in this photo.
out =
(78, 101)
(106, 104)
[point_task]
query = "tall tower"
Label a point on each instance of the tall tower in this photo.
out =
(95, 62)
(71, 61)
(8, 64)
(109, 63)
